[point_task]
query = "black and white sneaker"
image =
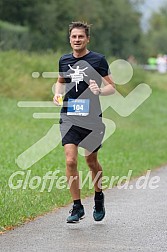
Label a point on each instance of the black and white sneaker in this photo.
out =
(77, 213)
(99, 210)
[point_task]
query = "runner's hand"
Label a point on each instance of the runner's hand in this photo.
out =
(57, 99)
(94, 87)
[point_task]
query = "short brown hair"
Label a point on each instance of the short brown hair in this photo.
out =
(80, 25)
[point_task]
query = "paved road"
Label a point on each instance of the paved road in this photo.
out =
(136, 220)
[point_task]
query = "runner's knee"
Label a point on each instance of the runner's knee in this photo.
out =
(71, 163)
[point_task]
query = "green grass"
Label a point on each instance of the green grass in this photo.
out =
(139, 142)
(16, 69)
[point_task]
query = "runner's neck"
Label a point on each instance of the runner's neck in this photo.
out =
(80, 54)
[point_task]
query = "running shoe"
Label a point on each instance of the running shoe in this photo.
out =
(99, 210)
(77, 213)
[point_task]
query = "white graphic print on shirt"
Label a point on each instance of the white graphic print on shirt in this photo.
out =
(77, 76)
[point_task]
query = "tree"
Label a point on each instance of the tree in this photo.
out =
(115, 31)
(120, 30)
(157, 34)
(16, 11)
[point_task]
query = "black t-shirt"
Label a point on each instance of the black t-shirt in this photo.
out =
(77, 72)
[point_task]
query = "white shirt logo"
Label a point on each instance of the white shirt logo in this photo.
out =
(77, 76)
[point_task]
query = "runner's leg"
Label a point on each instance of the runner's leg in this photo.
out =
(71, 153)
(95, 168)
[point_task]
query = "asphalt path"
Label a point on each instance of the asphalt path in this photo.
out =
(136, 220)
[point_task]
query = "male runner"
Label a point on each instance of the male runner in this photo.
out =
(81, 123)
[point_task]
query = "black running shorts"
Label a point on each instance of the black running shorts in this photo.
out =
(88, 139)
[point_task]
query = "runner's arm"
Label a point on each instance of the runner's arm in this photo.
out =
(59, 89)
(108, 89)
(109, 86)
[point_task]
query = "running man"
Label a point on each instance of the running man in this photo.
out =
(81, 117)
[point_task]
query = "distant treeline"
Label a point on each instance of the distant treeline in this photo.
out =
(38, 25)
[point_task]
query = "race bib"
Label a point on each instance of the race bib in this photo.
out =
(79, 107)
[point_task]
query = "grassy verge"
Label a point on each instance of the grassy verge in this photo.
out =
(16, 74)
(139, 143)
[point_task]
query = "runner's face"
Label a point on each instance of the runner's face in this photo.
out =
(78, 39)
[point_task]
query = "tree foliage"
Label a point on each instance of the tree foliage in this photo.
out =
(157, 34)
(115, 31)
